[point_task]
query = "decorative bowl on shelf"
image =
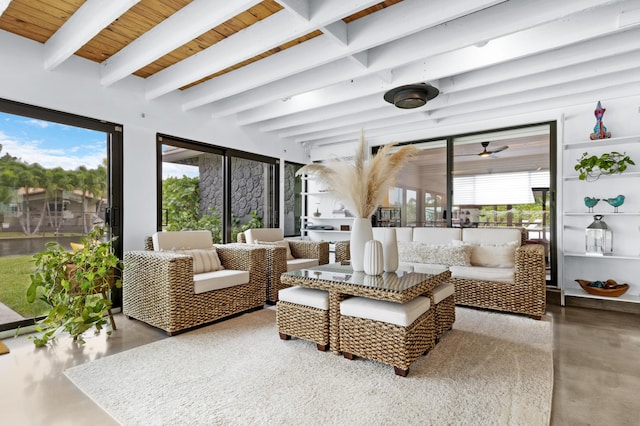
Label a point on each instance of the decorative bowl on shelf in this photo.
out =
(608, 288)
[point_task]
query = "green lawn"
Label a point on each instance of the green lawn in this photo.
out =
(14, 280)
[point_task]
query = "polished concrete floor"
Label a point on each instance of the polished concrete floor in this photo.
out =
(596, 371)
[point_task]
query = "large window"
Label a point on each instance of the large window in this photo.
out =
(207, 187)
(60, 175)
(498, 178)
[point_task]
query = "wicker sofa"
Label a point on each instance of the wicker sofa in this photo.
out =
(161, 289)
(518, 287)
(303, 254)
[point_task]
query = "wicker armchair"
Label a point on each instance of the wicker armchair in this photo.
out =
(277, 262)
(158, 287)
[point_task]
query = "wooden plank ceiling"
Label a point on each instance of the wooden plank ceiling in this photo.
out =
(315, 71)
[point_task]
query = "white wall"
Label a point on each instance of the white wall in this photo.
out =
(74, 88)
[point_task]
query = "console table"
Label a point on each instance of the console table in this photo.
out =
(341, 282)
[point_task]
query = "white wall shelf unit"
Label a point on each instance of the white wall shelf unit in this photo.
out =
(622, 176)
(622, 265)
(609, 256)
(315, 199)
(611, 142)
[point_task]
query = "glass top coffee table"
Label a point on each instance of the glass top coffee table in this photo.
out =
(341, 281)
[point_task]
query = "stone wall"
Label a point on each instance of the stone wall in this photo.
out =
(248, 186)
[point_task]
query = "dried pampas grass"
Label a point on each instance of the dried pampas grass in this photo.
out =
(361, 184)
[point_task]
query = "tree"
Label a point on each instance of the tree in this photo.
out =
(57, 180)
(92, 183)
(181, 202)
(27, 180)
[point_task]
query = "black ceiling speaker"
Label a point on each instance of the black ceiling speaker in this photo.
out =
(411, 95)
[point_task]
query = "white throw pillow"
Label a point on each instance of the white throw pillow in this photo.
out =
(281, 243)
(491, 255)
(416, 252)
(204, 260)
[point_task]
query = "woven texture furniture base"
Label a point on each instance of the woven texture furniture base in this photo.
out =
(527, 295)
(342, 251)
(445, 316)
(277, 261)
(388, 343)
(158, 288)
(303, 322)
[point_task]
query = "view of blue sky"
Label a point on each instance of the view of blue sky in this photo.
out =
(57, 145)
(51, 144)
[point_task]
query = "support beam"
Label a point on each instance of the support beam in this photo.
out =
(3, 5)
(617, 84)
(299, 8)
(92, 17)
(260, 37)
(392, 23)
(183, 26)
(360, 58)
(448, 40)
(337, 31)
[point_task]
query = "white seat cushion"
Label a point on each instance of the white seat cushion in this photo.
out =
(263, 234)
(182, 240)
(295, 264)
(442, 292)
(312, 297)
(402, 314)
(281, 243)
(483, 273)
(216, 280)
(436, 236)
(492, 235)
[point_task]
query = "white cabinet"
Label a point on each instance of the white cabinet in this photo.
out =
(323, 214)
(624, 264)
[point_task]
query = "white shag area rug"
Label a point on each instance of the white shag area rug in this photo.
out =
(491, 369)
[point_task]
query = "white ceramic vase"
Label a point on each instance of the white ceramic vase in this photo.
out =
(361, 232)
(373, 263)
(390, 249)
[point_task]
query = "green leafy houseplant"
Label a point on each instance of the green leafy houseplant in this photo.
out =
(75, 285)
(590, 167)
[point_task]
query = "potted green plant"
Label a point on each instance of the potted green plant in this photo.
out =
(75, 284)
(590, 167)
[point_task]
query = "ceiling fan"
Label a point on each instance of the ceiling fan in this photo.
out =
(488, 152)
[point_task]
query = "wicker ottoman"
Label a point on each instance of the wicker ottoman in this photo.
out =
(445, 308)
(304, 313)
(387, 332)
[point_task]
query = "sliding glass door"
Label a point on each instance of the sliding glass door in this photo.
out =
(492, 179)
(207, 187)
(60, 175)
(504, 179)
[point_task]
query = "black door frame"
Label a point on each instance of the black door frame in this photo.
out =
(115, 156)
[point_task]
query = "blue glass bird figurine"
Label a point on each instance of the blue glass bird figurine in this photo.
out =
(591, 203)
(615, 202)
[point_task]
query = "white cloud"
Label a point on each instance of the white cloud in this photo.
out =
(31, 152)
(37, 123)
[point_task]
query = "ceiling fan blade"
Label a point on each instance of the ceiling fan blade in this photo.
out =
(498, 149)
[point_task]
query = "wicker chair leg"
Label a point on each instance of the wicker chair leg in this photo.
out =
(401, 372)
(322, 347)
(284, 336)
(536, 317)
(347, 355)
